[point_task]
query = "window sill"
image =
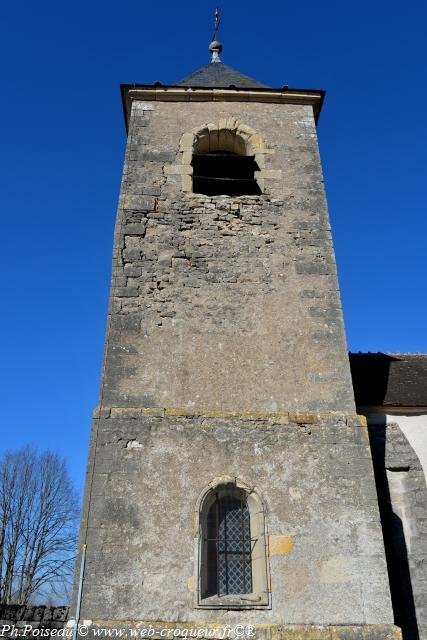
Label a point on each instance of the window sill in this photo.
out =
(246, 601)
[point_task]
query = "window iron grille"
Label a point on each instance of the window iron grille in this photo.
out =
(229, 546)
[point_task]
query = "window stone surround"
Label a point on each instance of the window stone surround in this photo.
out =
(230, 134)
(261, 593)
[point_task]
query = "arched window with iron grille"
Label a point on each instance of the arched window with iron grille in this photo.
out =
(229, 549)
(232, 567)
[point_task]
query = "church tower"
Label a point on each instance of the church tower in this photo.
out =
(229, 480)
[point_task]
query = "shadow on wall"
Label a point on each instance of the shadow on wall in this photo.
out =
(394, 538)
(370, 373)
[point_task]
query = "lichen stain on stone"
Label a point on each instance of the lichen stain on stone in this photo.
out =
(280, 545)
(335, 569)
(294, 493)
(190, 584)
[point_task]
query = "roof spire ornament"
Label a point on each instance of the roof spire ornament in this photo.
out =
(215, 46)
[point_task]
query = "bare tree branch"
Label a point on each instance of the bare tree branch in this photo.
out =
(38, 526)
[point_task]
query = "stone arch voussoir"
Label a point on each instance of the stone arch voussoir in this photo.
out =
(228, 133)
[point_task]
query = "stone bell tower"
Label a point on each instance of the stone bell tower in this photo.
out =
(230, 479)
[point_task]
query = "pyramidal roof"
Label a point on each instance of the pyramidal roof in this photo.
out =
(220, 75)
(216, 73)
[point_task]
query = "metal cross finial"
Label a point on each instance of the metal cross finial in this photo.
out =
(215, 46)
(217, 20)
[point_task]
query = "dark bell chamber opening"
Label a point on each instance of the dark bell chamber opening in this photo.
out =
(224, 173)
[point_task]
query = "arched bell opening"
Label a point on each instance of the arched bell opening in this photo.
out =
(222, 165)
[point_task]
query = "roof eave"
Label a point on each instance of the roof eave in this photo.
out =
(174, 93)
(392, 408)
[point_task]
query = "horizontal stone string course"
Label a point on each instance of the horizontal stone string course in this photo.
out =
(263, 632)
(347, 419)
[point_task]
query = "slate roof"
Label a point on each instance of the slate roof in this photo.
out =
(221, 76)
(389, 379)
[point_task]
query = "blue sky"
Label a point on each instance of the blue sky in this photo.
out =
(62, 150)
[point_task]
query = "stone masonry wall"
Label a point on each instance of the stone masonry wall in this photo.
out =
(242, 291)
(403, 500)
(326, 561)
(225, 356)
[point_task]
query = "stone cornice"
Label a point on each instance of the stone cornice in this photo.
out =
(152, 93)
